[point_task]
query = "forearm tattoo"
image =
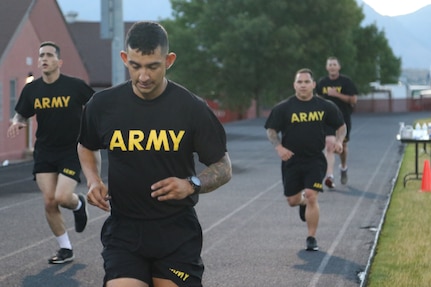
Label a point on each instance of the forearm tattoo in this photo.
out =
(216, 175)
(273, 137)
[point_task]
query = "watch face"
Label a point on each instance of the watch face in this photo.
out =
(195, 180)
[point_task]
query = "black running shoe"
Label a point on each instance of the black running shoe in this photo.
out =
(63, 255)
(344, 177)
(81, 215)
(302, 212)
(311, 244)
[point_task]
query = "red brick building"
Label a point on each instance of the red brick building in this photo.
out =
(24, 24)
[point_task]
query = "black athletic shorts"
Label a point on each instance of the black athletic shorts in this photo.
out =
(168, 248)
(65, 162)
(331, 131)
(301, 173)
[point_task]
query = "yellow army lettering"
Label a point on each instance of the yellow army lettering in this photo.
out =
(325, 89)
(180, 274)
(155, 141)
(69, 171)
(307, 117)
(318, 185)
(48, 103)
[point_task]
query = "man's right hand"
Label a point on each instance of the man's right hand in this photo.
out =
(98, 196)
(13, 130)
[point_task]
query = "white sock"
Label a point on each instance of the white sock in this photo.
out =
(302, 202)
(79, 205)
(63, 241)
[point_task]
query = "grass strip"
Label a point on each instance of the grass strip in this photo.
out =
(403, 252)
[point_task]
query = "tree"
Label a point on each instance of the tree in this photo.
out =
(236, 51)
(377, 60)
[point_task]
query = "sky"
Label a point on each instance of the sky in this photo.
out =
(135, 10)
(396, 7)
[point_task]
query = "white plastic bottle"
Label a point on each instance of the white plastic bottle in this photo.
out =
(417, 131)
(400, 132)
(424, 131)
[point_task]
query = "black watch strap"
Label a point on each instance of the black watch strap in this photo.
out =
(195, 183)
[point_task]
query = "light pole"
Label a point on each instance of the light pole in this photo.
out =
(112, 27)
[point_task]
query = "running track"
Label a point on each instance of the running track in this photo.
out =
(251, 236)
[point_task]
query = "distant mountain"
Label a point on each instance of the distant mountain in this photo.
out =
(408, 35)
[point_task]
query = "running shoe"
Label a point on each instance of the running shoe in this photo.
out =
(63, 255)
(344, 177)
(311, 244)
(329, 182)
(302, 212)
(81, 215)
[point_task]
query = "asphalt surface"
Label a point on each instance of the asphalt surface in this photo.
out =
(251, 236)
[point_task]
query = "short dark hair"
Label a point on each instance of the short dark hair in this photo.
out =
(334, 59)
(146, 37)
(52, 44)
(304, 71)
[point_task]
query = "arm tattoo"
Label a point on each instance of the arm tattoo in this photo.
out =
(273, 137)
(216, 174)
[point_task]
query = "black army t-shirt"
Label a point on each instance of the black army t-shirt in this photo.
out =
(302, 124)
(344, 85)
(58, 109)
(149, 140)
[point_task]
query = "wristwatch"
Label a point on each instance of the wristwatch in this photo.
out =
(195, 183)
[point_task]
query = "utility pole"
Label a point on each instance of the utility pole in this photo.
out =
(112, 27)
